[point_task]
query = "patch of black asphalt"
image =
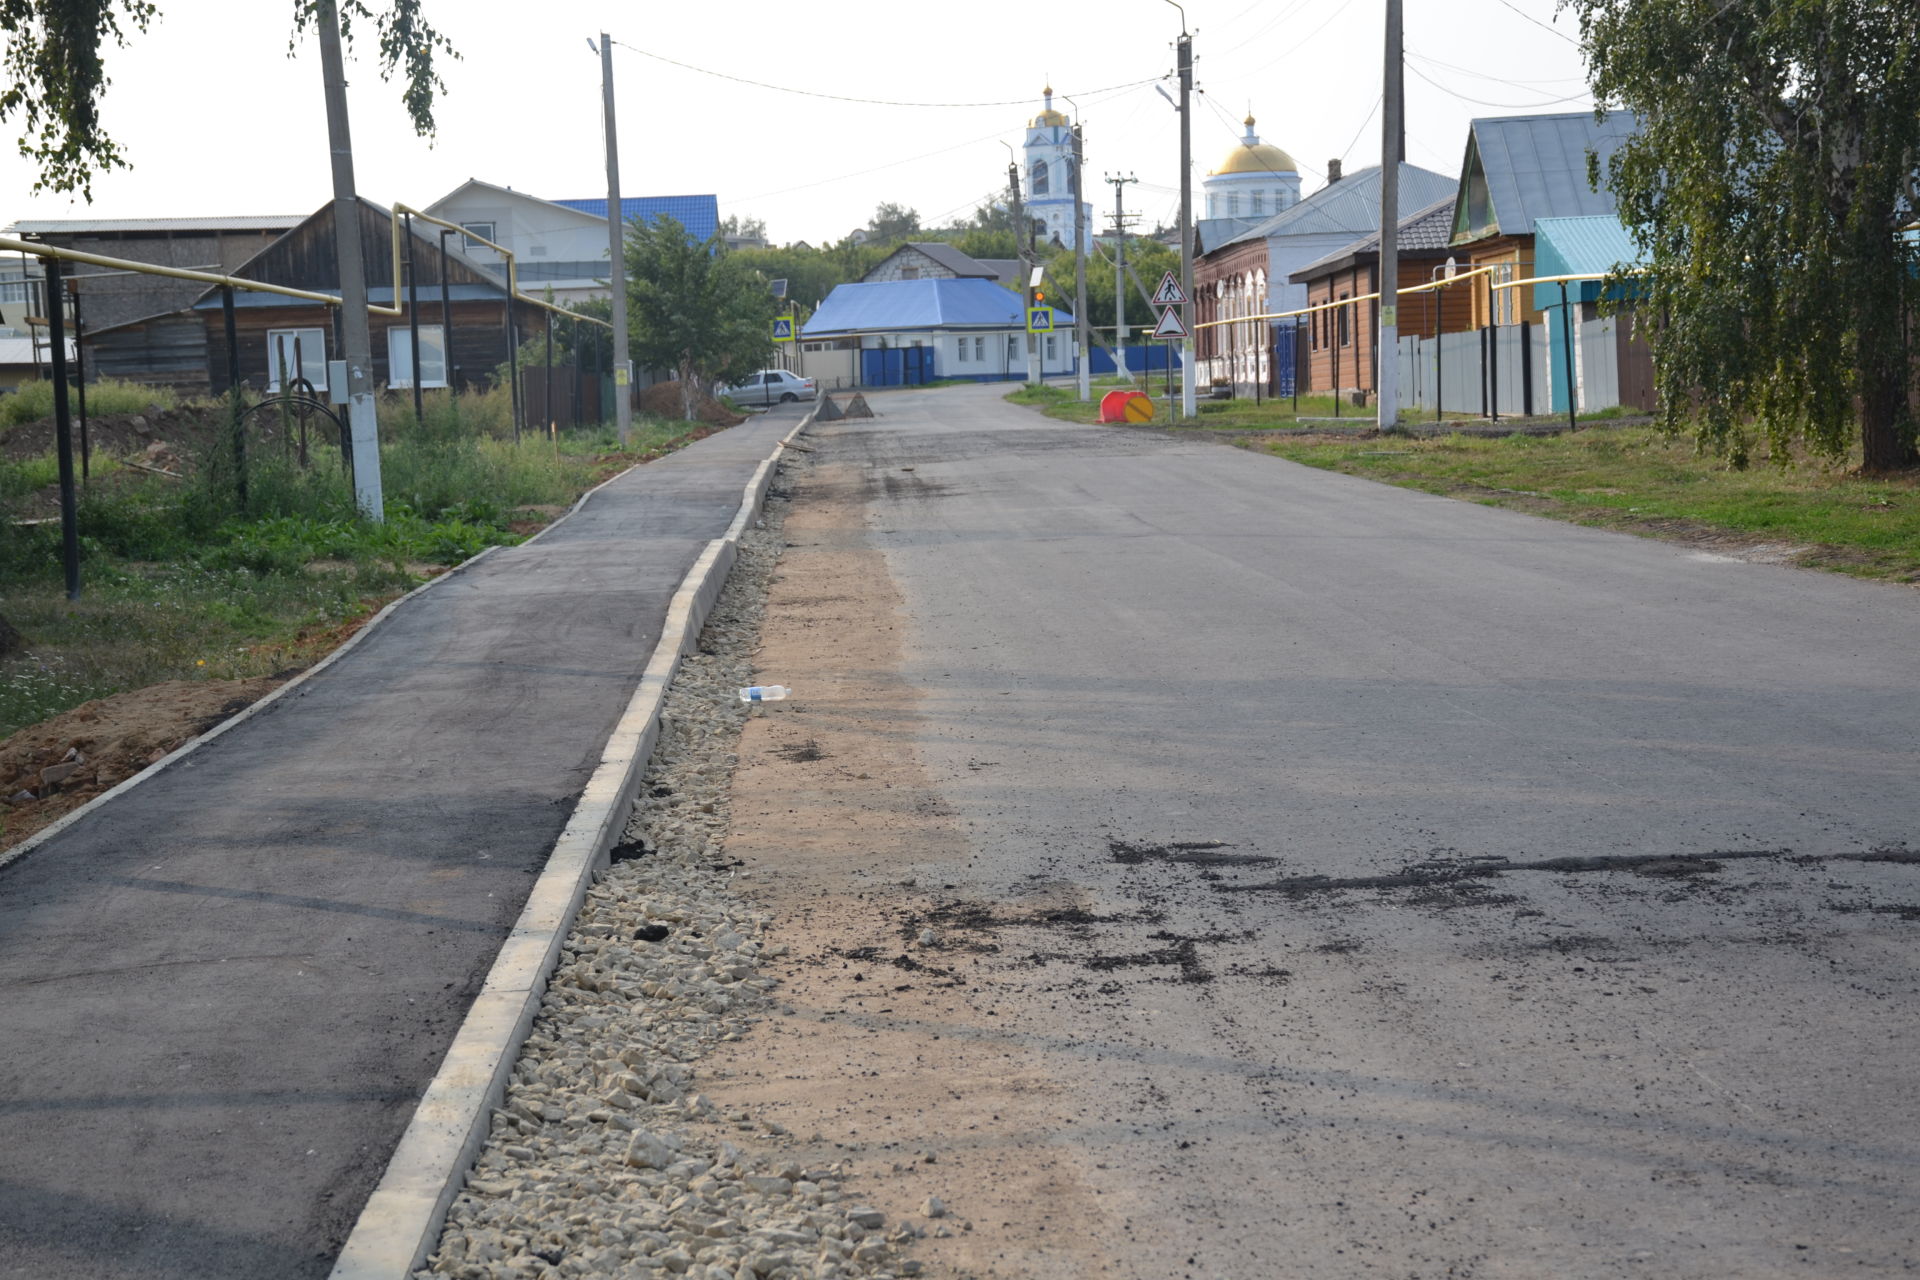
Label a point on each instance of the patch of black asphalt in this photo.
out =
(222, 993)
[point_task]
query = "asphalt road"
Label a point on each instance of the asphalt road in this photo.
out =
(1470, 894)
(222, 993)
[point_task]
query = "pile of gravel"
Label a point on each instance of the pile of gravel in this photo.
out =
(604, 1159)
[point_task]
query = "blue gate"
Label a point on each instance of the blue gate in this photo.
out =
(1286, 356)
(896, 366)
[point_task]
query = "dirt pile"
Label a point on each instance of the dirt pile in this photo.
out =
(50, 769)
(181, 433)
(662, 400)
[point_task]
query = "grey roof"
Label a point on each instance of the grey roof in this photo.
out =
(1426, 231)
(1006, 270)
(98, 226)
(1536, 166)
(1351, 205)
(952, 259)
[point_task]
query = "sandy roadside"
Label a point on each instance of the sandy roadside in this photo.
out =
(895, 1041)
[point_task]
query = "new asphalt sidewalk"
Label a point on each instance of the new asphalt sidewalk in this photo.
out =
(222, 992)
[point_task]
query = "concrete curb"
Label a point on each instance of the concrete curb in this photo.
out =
(34, 841)
(401, 1221)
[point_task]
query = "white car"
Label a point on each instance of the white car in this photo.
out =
(773, 386)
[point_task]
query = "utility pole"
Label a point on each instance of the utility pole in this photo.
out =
(1022, 239)
(1082, 337)
(1189, 402)
(355, 335)
(1386, 352)
(616, 253)
(1120, 272)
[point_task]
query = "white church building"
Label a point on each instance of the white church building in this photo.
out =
(1256, 180)
(1051, 189)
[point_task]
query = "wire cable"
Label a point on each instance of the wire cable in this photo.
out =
(1536, 22)
(1504, 106)
(869, 102)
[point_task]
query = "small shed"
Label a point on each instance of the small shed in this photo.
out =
(913, 331)
(1611, 363)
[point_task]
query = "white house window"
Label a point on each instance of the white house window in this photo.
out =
(1052, 346)
(963, 351)
(980, 349)
(433, 356)
(484, 230)
(301, 353)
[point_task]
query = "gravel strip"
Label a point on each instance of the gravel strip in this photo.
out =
(604, 1159)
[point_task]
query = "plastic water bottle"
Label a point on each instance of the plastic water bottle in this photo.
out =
(764, 693)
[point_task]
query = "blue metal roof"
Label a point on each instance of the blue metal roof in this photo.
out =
(700, 215)
(1579, 246)
(906, 306)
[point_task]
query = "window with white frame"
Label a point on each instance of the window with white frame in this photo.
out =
(298, 353)
(1259, 202)
(1233, 205)
(980, 349)
(1052, 346)
(433, 356)
(484, 230)
(962, 344)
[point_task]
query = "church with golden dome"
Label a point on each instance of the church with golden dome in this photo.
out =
(1256, 180)
(1050, 187)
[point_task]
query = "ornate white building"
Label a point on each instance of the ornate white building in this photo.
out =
(1256, 180)
(1049, 177)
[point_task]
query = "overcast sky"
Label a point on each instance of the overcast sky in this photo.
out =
(217, 118)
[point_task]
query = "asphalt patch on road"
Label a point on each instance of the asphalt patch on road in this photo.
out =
(1196, 853)
(1429, 875)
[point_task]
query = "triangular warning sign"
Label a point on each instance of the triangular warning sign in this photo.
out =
(1169, 326)
(1169, 294)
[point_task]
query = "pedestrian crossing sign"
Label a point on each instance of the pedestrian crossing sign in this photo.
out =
(783, 329)
(1039, 319)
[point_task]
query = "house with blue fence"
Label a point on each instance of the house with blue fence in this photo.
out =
(908, 332)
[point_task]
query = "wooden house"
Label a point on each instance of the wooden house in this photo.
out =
(1340, 342)
(461, 341)
(1517, 169)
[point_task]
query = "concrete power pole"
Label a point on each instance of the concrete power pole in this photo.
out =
(616, 253)
(363, 426)
(1082, 336)
(1022, 240)
(1189, 400)
(1120, 273)
(1392, 139)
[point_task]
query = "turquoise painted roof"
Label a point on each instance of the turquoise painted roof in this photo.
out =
(1578, 246)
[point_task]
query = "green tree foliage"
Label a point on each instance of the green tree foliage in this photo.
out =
(1773, 173)
(893, 223)
(694, 308)
(57, 71)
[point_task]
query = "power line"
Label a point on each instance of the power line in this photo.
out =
(1362, 129)
(869, 102)
(1504, 106)
(1536, 22)
(1528, 85)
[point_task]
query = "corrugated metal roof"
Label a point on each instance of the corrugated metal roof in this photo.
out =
(1536, 166)
(1351, 205)
(1579, 246)
(700, 215)
(96, 226)
(1423, 232)
(893, 306)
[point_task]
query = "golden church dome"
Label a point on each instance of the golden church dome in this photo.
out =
(1048, 117)
(1255, 156)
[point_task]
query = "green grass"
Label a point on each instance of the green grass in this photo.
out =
(181, 584)
(1214, 415)
(34, 400)
(1637, 479)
